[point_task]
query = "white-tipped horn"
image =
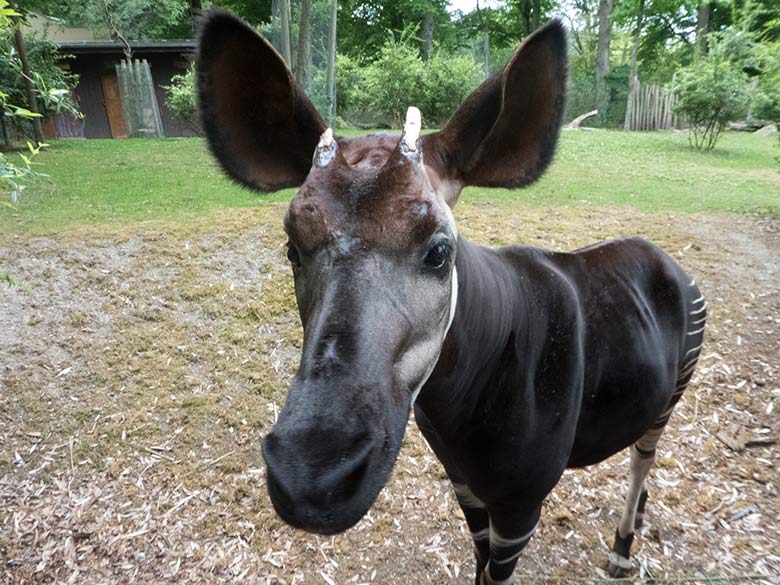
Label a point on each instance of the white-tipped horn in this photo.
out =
(326, 149)
(326, 138)
(412, 128)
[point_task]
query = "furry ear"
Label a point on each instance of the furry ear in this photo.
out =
(260, 125)
(504, 134)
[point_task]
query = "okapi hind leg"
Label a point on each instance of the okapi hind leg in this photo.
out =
(640, 511)
(643, 451)
(641, 462)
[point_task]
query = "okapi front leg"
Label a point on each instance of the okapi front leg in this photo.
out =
(509, 535)
(479, 524)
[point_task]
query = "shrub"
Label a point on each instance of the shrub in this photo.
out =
(379, 92)
(710, 93)
(448, 81)
(181, 98)
(51, 82)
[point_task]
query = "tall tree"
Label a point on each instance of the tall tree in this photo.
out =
(426, 35)
(702, 27)
(632, 75)
(196, 7)
(303, 61)
(537, 13)
(32, 101)
(602, 55)
(485, 39)
(331, 71)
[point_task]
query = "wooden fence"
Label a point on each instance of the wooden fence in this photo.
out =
(651, 107)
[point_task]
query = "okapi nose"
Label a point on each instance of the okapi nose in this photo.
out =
(313, 473)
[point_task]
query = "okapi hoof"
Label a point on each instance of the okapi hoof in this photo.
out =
(618, 567)
(620, 557)
(486, 580)
(640, 510)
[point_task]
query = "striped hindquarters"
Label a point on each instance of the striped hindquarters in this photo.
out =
(694, 336)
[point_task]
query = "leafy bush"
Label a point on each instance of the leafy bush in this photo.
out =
(710, 93)
(767, 100)
(12, 172)
(51, 82)
(181, 98)
(379, 92)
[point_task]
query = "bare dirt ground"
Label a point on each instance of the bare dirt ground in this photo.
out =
(140, 366)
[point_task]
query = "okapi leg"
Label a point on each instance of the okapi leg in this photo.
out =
(640, 511)
(479, 524)
(641, 462)
(506, 545)
(643, 451)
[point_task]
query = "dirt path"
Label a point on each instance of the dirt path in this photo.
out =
(139, 369)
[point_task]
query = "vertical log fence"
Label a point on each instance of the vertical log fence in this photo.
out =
(651, 107)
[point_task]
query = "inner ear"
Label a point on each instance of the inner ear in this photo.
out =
(259, 124)
(504, 134)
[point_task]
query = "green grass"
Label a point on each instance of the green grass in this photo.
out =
(656, 171)
(105, 181)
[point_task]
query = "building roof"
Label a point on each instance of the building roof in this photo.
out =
(95, 47)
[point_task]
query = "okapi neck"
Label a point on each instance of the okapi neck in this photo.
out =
(489, 323)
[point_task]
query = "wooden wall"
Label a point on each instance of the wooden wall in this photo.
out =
(91, 67)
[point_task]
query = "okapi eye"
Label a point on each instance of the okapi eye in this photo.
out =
(293, 256)
(438, 255)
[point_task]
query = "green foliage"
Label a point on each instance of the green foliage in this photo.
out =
(51, 82)
(6, 13)
(181, 98)
(381, 91)
(710, 93)
(14, 171)
(132, 19)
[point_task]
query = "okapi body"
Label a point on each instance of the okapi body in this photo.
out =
(518, 362)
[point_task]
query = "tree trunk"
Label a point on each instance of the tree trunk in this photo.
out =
(426, 36)
(525, 14)
(6, 138)
(196, 7)
(602, 56)
(485, 41)
(486, 50)
(331, 74)
(32, 102)
(537, 11)
(702, 28)
(284, 24)
(632, 75)
(303, 66)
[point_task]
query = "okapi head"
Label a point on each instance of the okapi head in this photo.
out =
(372, 244)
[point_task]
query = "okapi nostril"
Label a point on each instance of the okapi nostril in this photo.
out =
(351, 483)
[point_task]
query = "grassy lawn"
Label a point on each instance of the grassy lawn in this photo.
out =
(105, 181)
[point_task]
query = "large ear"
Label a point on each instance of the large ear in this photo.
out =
(504, 134)
(259, 123)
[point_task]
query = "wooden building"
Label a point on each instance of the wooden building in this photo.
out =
(98, 93)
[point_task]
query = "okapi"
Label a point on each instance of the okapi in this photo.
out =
(519, 362)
